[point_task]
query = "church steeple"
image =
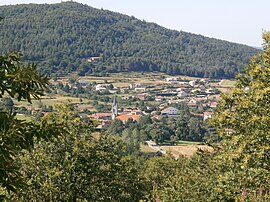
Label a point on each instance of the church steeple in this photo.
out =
(114, 108)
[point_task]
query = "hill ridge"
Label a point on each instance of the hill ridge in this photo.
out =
(61, 37)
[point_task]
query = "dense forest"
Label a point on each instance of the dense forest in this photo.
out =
(62, 37)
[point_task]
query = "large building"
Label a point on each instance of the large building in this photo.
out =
(169, 111)
(125, 117)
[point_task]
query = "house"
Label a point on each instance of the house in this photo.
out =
(102, 116)
(182, 94)
(207, 115)
(136, 112)
(140, 89)
(124, 90)
(125, 117)
(170, 111)
(210, 91)
(135, 85)
(204, 80)
(156, 116)
(83, 82)
(192, 83)
(192, 101)
(159, 98)
(126, 97)
(202, 88)
(201, 99)
(213, 104)
(141, 96)
(176, 101)
(172, 80)
(102, 87)
(93, 59)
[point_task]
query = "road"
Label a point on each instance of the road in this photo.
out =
(155, 146)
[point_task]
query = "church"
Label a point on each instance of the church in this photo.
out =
(126, 115)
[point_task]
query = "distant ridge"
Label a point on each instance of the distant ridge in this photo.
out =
(62, 37)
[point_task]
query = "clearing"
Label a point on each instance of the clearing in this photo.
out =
(185, 150)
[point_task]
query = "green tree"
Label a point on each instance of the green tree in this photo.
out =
(242, 122)
(116, 127)
(19, 81)
(159, 171)
(159, 133)
(196, 130)
(191, 180)
(79, 167)
(182, 128)
(131, 139)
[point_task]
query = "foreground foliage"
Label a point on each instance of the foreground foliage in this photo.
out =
(19, 81)
(243, 122)
(78, 166)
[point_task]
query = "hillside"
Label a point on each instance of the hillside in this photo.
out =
(61, 37)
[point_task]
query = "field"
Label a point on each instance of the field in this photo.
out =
(146, 149)
(117, 79)
(49, 101)
(125, 78)
(224, 85)
(185, 150)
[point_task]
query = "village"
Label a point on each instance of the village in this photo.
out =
(132, 100)
(128, 98)
(198, 95)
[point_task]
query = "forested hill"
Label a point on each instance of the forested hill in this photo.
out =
(61, 37)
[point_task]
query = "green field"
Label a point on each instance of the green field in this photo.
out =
(181, 142)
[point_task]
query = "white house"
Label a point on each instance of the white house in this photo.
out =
(134, 85)
(207, 115)
(102, 87)
(192, 101)
(93, 59)
(192, 83)
(140, 89)
(159, 98)
(170, 111)
(182, 94)
(172, 80)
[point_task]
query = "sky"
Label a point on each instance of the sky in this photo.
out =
(240, 21)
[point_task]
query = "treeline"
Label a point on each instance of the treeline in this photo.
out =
(61, 37)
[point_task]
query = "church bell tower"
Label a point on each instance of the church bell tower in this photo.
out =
(114, 108)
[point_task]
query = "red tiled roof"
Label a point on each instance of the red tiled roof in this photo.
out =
(125, 117)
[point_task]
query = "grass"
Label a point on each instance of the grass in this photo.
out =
(181, 142)
(50, 101)
(227, 83)
(125, 78)
(185, 150)
(23, 117)
(146, 149)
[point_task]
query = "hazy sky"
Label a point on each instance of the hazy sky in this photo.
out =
(240, 21)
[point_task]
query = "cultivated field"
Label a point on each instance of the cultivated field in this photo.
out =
(185, 150)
